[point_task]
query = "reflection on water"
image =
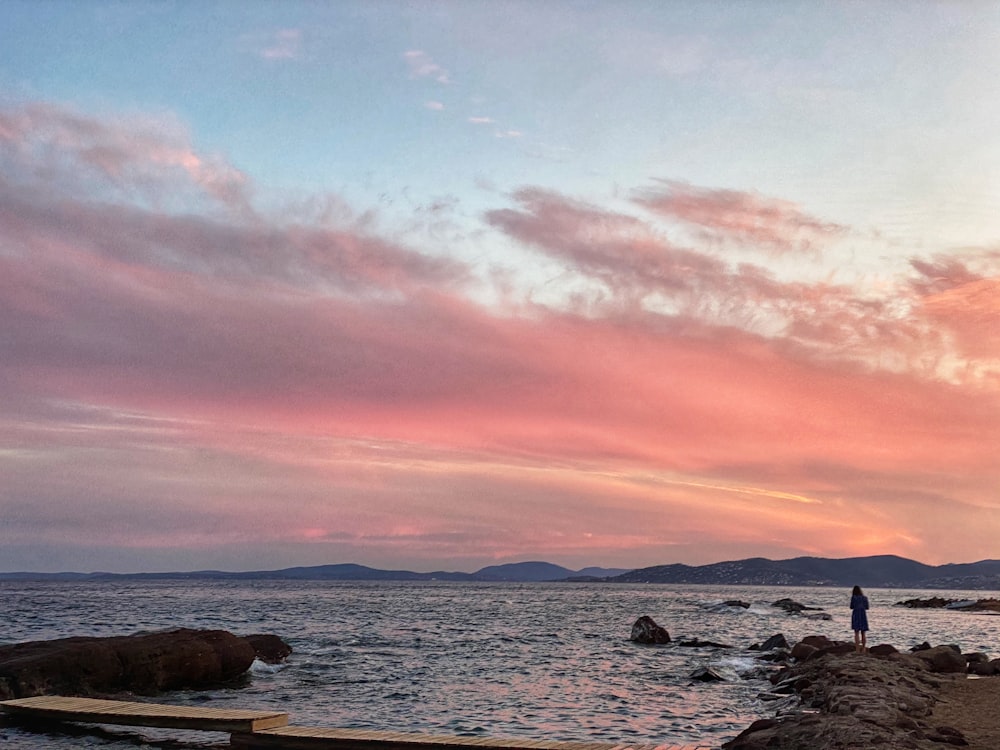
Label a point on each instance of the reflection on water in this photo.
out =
(548, 661)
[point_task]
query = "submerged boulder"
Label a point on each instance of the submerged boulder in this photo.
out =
(707, 674)
(145, 663)
(645, 630)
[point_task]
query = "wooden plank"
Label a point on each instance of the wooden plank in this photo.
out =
(97, 711)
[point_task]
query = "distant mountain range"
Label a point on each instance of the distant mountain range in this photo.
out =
(524, 572)
(882, 571)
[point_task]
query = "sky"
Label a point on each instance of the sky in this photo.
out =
(441, 285)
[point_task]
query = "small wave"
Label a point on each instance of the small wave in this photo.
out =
(260, 667)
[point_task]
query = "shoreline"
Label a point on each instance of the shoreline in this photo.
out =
(923, 700)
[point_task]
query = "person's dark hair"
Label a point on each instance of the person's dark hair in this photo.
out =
(857, 591)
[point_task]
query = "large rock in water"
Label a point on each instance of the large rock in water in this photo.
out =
(145, 664)
(645, 630)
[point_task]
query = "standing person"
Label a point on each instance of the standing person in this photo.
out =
(859, 619)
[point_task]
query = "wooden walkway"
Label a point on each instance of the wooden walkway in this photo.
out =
(58, 708)
(269, 730)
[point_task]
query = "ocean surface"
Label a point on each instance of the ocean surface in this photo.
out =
(545, 660)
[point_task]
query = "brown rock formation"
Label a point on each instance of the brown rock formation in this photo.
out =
(861, 701)
(144, 664)
(645, 630)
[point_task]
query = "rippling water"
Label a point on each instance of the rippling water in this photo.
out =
(550, 661)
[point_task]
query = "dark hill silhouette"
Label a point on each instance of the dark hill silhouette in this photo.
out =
(879, 571)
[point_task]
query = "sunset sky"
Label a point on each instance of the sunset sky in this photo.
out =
(439, 285)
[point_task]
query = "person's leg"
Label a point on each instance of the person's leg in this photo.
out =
(864, 641)
(857, 641)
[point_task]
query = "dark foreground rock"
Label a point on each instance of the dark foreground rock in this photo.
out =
(850, 700)
(645, 630)
(144, 664)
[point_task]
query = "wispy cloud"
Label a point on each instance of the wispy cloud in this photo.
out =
(285, 44)
(435, 105)
(479, 120)
(748, 218)
(57, 148)
(422, 66)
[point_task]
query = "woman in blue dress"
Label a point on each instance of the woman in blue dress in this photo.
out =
(859, 619)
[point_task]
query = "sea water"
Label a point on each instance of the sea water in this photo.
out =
(538, 660)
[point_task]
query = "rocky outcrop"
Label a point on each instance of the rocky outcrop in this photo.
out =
(645, 630)
(964, 605)
(793, 607)
(881, 699)
(144, 664)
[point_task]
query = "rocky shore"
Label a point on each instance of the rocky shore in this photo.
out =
(144, 664)
(838, 699)
(827, 696)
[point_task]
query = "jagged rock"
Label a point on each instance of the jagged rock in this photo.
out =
(774, 642)
(776, 655)
(146, 663)
(922, 647)
(797, 608)
(707, 674)
(645, 630)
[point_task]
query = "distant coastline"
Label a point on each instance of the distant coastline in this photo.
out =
(880, 571)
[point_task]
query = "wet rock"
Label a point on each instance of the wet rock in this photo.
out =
(736, 603)
(934, 602)
(695, 643)
(775, 641)
(793, 607)
(145, 664)
(707, 674)
(645, 630)
(778, 655)
(270, 649)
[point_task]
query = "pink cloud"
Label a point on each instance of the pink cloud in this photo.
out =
(331, 389)
(963, 303)
(54, 147)
(747, 218)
